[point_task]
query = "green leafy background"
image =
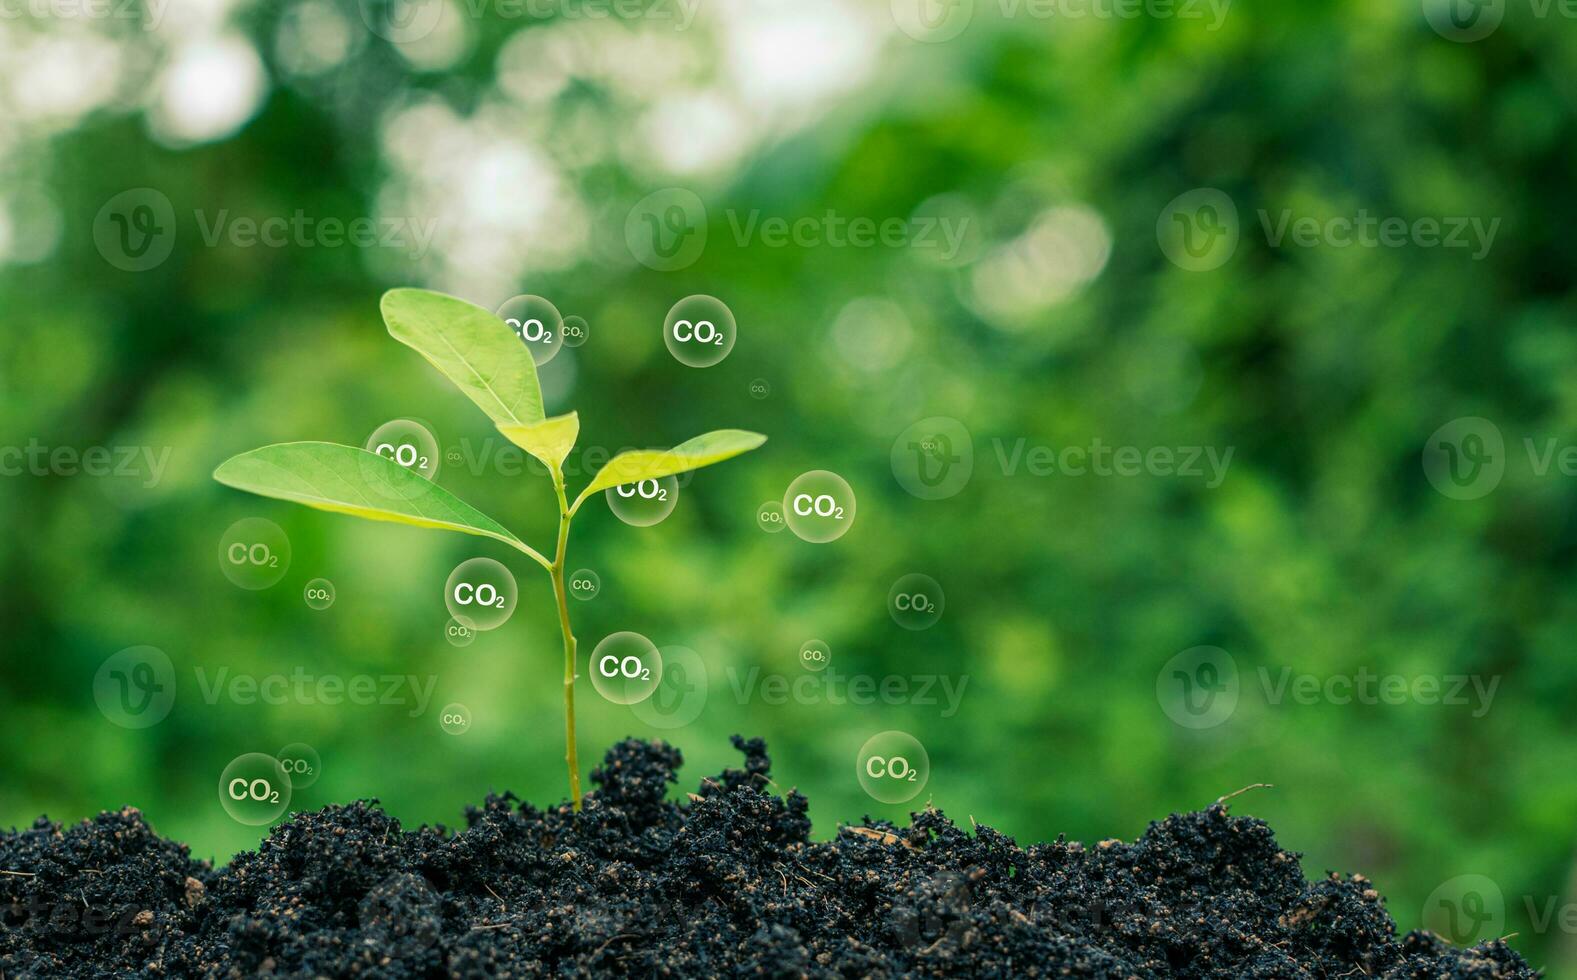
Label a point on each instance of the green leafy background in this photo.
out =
(1325, 550)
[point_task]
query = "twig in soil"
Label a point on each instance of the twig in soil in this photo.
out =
(612, 939)
(19, 874)
(501, 903)
(1222, 799)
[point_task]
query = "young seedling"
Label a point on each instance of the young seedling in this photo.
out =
(476, 350)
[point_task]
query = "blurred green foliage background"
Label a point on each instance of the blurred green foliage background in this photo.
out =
(527, 138)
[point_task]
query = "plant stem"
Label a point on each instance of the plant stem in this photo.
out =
(556, 570)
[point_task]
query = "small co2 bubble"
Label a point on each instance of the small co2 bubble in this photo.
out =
(538, 325)
(481, 594)
(819, 506)
(254, 789)
(699, 331)
(770, 517)
(301, 763)
(680, 695)
(455, 719)
(584, 584)
(760, 388)
(135, 688)
(815, 655)
(645, 503)
(916, 601)
(319, 593)
(409, 443)
(254, 553)
(576, 331)
(459, 634)
(893, 767)
(626, 668)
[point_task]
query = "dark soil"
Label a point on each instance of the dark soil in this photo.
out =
(724, 884)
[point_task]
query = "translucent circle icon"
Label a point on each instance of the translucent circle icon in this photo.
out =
(666, 229)
(459, 634)
(254, 553)
(410, 444)
(538, 325)
(760, 388)
(934, 458)
(1198, 688)
(681, 694)
(916, 601)
(819, 506)
(699, 331)
(584, 584)
(576, 331)
(135, 688)
(135, 230)
(1198, 229)
(481, 594)
(626, 668)
(815, 655)
(254, 789)
(1465, 459)
(1464, 21)
(301, 763)
(319, 593)
(455, 719)
(893, 767)
(645, 503)
(1466, 910)
(770, 517)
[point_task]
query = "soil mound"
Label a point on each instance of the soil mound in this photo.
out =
(725, 883)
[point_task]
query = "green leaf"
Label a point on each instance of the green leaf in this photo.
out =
(648, 464)
(549, 440)
(347, 480)
(472, 347)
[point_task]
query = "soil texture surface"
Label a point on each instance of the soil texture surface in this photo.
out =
(724, 883)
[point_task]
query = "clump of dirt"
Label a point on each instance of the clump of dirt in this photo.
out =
(726, 883)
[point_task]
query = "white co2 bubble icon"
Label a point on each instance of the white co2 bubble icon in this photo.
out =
(760, 388)
(576, 331)
(893, 767)
(916, 601)
(411, 445)
(770, 517)
(645, 503)
(481, 594)
(699, 331)
(815, 655)
(135, 688)
(254, 553)
(538, 325)
(584, 584)
(254, 789)
(455, 719)
(301, 763)
(626, 668)
(680, 695)
(319, 594)
(819, 506)
(459, 634)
